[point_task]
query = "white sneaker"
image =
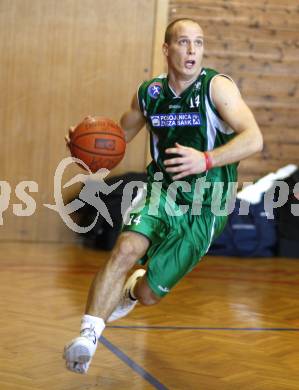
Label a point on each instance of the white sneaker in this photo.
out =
(79, 352)
(126, 304)
(80, 368)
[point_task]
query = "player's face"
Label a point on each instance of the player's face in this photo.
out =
(185, 51)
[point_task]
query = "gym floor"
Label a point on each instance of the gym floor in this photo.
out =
(230, 324)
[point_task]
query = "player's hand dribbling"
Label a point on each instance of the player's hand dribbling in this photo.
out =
(71, 130)
(190, 162)
(68, 136)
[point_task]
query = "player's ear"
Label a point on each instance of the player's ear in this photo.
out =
(165, 49)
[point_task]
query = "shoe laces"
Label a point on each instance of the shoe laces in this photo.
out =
(89, 333)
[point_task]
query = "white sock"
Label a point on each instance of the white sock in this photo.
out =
(97, 323)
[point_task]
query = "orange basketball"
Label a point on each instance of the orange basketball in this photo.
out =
(99, 142)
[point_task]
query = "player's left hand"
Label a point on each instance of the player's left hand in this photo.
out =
(190, 162)
(68, 136)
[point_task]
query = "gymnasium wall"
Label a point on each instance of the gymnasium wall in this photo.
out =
(256, 42)
(61, 60)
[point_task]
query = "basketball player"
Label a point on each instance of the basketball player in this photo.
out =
(200, 129)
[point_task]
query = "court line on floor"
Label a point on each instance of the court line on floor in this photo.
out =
(153, 327)
(133, 365)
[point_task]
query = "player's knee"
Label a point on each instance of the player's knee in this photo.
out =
(129, 249)
(125, 248)
(149, 299)
(144, 293)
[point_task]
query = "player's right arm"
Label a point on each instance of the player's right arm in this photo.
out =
(133, 120)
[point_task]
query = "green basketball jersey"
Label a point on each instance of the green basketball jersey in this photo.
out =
(192, 120)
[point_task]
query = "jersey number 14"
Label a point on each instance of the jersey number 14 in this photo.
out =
(194, 103)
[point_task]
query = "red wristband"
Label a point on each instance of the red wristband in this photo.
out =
(209, 163)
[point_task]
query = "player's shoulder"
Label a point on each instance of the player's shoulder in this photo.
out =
(153, 86)
(212, 74)
(158, 80)
(216, 80)
(209, 73)
(223, 84)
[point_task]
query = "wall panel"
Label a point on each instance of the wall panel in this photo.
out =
(61, 60)
(256, 43)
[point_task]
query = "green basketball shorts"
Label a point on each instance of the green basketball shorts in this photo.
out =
(178, 240)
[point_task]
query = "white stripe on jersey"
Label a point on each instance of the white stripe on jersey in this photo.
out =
(214, 123)
(155, 147)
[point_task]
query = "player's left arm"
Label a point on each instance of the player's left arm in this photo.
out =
(235, 112)
(133, 120)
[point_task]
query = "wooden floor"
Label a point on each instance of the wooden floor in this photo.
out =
(231, 324)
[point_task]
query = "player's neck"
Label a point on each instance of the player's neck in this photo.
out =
(178, 84)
